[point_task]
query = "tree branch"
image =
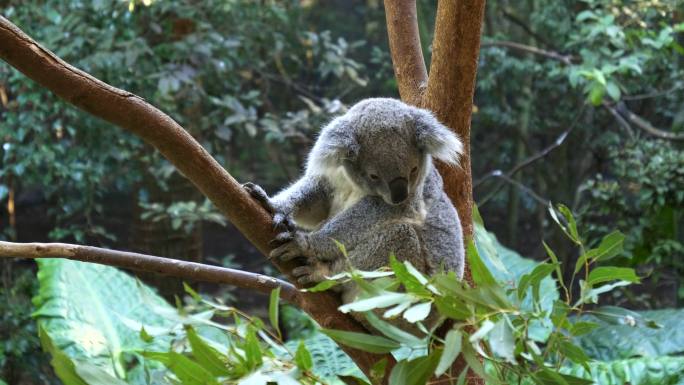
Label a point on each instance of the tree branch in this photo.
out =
(644, 124)
(132, 113)
(149, 263)
(565, 59)
(406, 49)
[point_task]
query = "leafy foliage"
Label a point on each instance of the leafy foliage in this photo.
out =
(490, 319)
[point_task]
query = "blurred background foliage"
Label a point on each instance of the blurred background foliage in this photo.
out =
(580, 102)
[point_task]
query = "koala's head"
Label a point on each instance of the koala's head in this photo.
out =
(385, 147)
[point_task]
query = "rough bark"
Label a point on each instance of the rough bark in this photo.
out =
(450, 89)
(149, 263)
(406, 50)
(132, 113)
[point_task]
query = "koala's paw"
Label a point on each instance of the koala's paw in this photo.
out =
(311, 273)
(290, 245)
(259, 195)
(281, 220)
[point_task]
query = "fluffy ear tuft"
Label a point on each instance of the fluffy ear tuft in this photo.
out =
(436, 139)
(335, 144)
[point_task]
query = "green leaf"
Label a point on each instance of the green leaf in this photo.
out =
(63, 365)
(418, 312)
(590, 295)
(574, 353)
(613, 91)
(94, 375)
(411, 283)
(452, 307)
(377, 302)
(303, 358)
(474, 363)
(145, 336)
(252, 349)
(322, 286)
(415, 372)
(534, 278)
(394, 332)
(377, 372)
(188, 289)
(554, 259)
(452, 348)
(610, 246)
(187, 371)
(572, 225)
(502, 342)
(341, 247)
(395, 311)
(207, 356)
(582, 327)
(273, 306)
(98, 312)
(480, 273)
(365, 342)
(611, 273)
(484, 329)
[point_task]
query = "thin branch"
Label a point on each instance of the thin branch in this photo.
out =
(406, 49)
(508, 175)
(132, 113)
(520, 23)
(654, 94)
(532, 159)
(149, 263)
(624, 124)
(565, 59)
(541, 200)
(645, 124)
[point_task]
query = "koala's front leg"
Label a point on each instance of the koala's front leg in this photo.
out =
(321, 257)
(281, 219)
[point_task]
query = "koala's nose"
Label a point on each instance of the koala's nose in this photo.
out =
(398, 189)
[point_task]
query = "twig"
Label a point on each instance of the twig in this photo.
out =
(541, 200)
(645, 124)
(540, 155)
(565, 59)
(149, 263)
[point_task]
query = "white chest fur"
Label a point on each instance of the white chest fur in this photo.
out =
(345, 192)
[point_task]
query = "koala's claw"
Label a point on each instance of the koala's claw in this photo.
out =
(287, 251)
(305, 275)
(285, 236)
(281, 221)
(259, 195)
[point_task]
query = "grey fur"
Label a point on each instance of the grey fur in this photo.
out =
(346, 195)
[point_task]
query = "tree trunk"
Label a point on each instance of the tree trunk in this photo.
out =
(449, 90)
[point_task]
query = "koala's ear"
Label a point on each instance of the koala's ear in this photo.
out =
(335, 145)
(436, 139)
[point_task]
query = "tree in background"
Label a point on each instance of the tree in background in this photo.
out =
(181, 149)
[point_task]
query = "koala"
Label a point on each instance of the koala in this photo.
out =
(371, 185)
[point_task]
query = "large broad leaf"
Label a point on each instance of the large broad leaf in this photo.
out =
(329, 361)
(611, 341)
(94, 313)
(636, 371)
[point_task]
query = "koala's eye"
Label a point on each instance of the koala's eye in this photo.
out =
(374, 177)
(414, 170)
